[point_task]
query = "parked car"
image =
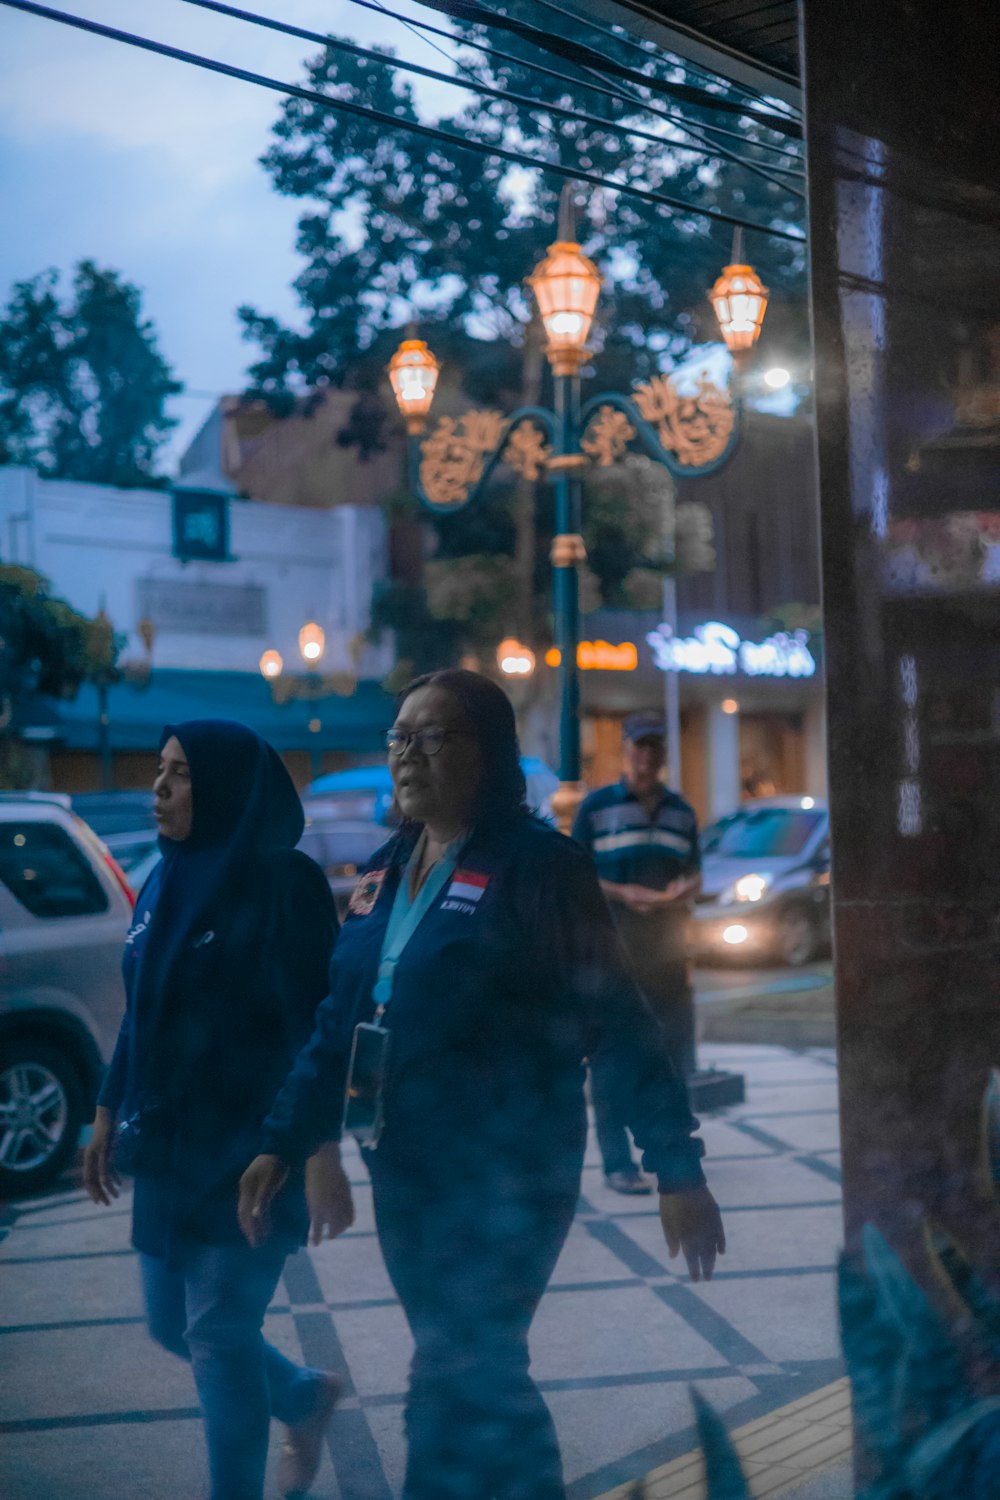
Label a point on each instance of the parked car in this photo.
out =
(765, 882)
(65, 908)
(123, 820)
(349, 814)
(366, 791)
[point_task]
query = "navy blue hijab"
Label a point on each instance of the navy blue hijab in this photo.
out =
(244, 805)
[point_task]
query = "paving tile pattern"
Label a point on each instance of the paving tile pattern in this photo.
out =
(96, 1412)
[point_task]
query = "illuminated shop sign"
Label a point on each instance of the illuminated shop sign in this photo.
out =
(719, 650)
(599, 656)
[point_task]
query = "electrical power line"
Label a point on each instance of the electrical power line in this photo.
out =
(533, 106)
(581, 55)
(636, 46)
(393, 122)
(603, 87)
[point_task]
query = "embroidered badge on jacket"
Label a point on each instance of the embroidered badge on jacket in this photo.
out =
(465, 892)
(468, 885)
(365, 893)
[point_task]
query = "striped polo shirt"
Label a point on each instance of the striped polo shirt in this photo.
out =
(632, 847)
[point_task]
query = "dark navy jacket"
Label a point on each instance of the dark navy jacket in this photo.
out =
(499, 996)
(245, 997)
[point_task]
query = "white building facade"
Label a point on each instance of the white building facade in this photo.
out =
(211, 619)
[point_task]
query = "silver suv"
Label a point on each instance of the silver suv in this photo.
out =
(65, 908)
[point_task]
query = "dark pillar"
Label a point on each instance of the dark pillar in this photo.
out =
(904, 183)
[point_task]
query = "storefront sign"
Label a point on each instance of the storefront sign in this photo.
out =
(719, 650)
(599, 656)
(202, 608)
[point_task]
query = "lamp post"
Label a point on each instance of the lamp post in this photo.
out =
(689, 434)
(312, 644)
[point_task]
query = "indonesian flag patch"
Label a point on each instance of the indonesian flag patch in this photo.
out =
(467, 885)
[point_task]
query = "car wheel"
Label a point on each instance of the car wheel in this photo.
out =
(41, 1111)
(796, 943)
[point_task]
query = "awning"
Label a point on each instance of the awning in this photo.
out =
(137, 715)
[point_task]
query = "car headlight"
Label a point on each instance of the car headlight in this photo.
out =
(748, 888)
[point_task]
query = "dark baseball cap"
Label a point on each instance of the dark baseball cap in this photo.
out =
(645, 726)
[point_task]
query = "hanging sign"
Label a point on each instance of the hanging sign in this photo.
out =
(719, 650)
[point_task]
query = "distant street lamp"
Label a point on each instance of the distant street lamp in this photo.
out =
(271, 665)
(515, 660)
(312, 642)
(689, 433)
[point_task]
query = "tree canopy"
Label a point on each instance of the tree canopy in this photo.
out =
(83, 385)
(399, 229)
(396, 227)
(46, 647)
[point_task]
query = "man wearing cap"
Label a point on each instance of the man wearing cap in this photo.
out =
(644, 841)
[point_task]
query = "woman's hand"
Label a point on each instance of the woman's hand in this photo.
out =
(328, 1194)
(692, 1223)
(259, 1186)
(101, 1182)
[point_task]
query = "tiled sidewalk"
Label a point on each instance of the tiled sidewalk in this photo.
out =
(95, 1412)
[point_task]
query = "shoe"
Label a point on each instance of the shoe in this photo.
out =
(302, 1445)
(628, 1182)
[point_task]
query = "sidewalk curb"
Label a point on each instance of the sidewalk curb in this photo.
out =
(763, 1029)
(779, 1452)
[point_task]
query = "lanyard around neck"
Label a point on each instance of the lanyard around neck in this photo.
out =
(406, 916)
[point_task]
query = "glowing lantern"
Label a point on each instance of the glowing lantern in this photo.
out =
(312, 641)
(566, 285)
(740, 301)
(413, 372)
(271, 665)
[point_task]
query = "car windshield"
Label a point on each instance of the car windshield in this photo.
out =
(761, 832)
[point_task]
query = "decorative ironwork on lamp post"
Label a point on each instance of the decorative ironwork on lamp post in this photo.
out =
(690, 433)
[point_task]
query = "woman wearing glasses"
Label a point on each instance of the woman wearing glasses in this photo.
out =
(476, 969)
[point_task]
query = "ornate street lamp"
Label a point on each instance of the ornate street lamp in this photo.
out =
(690, 432)
(413, 372)
(739, 298)
(566, 284)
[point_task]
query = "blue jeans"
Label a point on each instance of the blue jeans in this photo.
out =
(470, 1273)
(211, 1312)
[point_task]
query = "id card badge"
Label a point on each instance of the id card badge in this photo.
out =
(364, 1096)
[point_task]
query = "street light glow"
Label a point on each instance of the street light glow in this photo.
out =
(777, 378)
(271, 665)
(312, 641)
(566, 284)
(515, 660)
(413, 374)
(739, 298)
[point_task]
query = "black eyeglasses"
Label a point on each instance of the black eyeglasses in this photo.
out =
(424, 741)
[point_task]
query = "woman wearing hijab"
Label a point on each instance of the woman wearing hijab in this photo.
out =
(224, 967)
(478, 967)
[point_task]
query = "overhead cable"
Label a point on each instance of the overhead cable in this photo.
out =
(582, 19)
(604, 87)
(583, 56)
(522, 101)
(381, 117)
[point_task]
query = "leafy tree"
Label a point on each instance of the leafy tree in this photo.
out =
(397, 227)
(46, 647)
(82, 382)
